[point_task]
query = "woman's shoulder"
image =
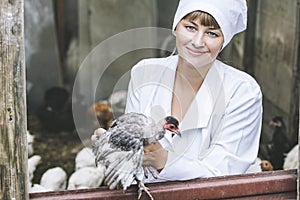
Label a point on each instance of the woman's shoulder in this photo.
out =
(235, 74)
(153, 69)
(155, 63)
(238, 79)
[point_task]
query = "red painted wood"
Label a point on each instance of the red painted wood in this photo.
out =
(281, 184)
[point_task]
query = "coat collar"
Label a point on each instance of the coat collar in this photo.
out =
(205, 102)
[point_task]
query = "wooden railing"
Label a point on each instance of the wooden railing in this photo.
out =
(266, 185)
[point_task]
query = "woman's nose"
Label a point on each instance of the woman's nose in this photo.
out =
(198, 40)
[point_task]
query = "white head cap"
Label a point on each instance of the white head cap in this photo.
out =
(231, 15)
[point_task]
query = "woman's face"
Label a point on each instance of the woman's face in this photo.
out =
(197, 44)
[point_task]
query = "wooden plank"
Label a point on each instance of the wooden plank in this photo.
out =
(288, 195)
(13, 151)
(256, 186)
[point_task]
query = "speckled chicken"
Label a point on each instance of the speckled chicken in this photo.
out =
(120, 148)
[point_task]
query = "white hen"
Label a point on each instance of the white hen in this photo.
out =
(38, 188)
(85, 158)
(32, 164)
(54, 179)
(87, 177)
(30, 140)
(291, 159)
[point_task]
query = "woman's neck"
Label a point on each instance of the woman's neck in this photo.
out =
(188, 81)
(194, 76)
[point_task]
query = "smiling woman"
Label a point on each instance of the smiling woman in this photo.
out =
(218, 106)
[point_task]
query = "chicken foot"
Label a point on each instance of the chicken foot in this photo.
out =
(142, 188)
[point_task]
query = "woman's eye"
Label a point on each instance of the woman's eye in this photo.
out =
(190, 28)
(212, 34)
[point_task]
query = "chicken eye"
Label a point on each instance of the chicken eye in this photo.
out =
(172, 126)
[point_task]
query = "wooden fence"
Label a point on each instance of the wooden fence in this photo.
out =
(267, 185)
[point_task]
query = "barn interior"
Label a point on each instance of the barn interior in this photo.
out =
(80, 52)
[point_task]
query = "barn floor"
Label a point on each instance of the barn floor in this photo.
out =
(57, 149)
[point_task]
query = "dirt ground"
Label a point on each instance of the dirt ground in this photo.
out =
(57, 149)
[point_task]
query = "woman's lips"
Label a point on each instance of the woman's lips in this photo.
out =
(195, 52)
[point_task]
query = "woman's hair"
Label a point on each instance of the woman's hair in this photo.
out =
(204, 18)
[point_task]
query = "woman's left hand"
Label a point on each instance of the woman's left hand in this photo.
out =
(155, 155)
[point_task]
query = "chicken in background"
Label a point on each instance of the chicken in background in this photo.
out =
(292, 158)
(86, 178)
(266, 166)
(33, 162)
(30, 141)
(84, 158)
(103, 112)
(117, 101)
(54, 179)
(38, 188)
(55, 113)
(260, 166)
(279, 144)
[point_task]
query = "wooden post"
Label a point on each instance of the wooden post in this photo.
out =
(295, 85)
(59, 6)
(13, 144)
(295, 103)
(249, 47)
(294, 100)
(298, 170)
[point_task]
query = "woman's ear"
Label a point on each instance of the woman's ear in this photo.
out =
(221, 48)
(174, 33)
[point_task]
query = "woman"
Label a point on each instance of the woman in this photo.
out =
(218, 106)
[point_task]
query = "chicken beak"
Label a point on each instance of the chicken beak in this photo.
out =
(178, 133)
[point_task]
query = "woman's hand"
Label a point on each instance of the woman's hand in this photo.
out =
(155, 156)
(97, 133)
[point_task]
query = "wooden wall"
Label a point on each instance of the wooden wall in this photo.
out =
(268, 51)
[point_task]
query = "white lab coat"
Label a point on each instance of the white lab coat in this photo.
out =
(221, 129)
